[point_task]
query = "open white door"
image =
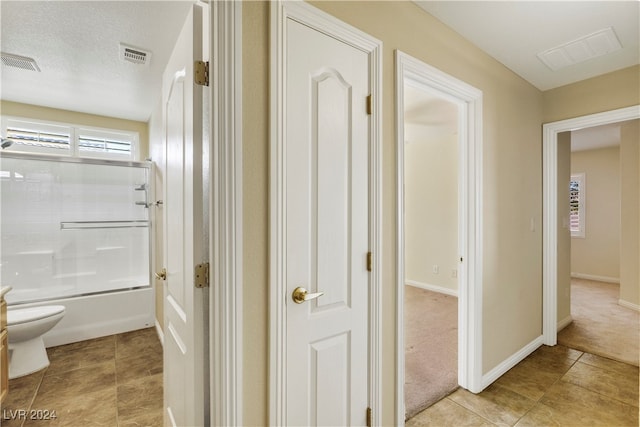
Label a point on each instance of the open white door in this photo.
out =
(184, 348)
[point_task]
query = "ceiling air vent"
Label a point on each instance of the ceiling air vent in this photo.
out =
(588, 47)
(18, 61)
(134, 54)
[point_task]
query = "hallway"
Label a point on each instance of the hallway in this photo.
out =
(600, 325)
(553, 386)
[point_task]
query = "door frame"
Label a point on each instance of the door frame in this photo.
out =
(550, 133)
(469, 101)
(316, 19)
(225, 235)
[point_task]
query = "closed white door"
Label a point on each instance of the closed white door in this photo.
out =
(183, 322)
(326, 145)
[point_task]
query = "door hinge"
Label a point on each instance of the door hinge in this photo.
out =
(202, 275)
(201, 76)
(369, 261)
(369, 416)
(369, 106)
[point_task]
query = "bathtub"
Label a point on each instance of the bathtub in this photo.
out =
(99, 315)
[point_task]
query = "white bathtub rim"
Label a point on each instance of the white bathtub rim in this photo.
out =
(98, 315)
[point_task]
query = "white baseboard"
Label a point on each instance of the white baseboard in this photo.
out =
(628, 304)
(160, 333)
(512, 361)
(434, 288)
(596, 278)
(564, 323)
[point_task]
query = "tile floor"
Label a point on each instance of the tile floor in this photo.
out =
(116, 381)
(554, 386)
(113, 381)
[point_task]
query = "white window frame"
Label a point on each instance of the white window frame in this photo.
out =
(579, 232)
(75, 131)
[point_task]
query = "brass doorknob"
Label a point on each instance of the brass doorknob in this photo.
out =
(301, 295)
(162, 275)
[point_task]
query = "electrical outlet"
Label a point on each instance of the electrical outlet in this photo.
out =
(436, 269)
(454, 274)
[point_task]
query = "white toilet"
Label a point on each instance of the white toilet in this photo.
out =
(26, 347)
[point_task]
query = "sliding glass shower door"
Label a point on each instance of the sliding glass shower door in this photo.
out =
(72, 226)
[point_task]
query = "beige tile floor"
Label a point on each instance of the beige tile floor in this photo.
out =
(116, 381)
(554, 386)
(113, 381)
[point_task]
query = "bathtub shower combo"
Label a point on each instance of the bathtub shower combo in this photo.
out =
(75, 236)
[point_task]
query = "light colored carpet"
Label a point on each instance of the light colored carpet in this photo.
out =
(600, 325)
(431, 348)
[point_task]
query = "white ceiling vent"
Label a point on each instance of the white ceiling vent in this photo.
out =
(588, 47)
(134, 54)
(18, 61)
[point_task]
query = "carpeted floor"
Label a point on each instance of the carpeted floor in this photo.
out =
(431, 348)
(600, 325)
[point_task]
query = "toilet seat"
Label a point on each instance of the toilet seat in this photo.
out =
(18, 316)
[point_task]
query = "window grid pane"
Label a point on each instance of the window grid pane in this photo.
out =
(577, 205)
(40, 136)
(39, 139)
(103, 145)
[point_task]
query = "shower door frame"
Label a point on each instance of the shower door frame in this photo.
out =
(100, 162)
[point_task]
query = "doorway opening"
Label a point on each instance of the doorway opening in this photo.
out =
(597, 173)
(555, 289)
(431, 249)
(463, 103)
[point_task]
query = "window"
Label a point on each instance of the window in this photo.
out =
(577, 205)
(36, 136)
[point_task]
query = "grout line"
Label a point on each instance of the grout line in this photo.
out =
(596, 391)
(34, 396)
(470, 410)
(600, 394)
(33, 400)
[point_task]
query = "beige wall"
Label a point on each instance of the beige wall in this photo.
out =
(630, 215)
(598, 253)
(431, 191)
(564, 235)
(9, 108)
(255, 157)
(603, 93)
(512, 148)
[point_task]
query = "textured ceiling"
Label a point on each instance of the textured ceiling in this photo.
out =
(514, 32)
(76, 45)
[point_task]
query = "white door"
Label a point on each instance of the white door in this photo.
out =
(326, 145)
(183, 322)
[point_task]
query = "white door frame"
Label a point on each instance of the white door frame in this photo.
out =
(469, 101)
(550, 133)
(225, 205)
(314, 18)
